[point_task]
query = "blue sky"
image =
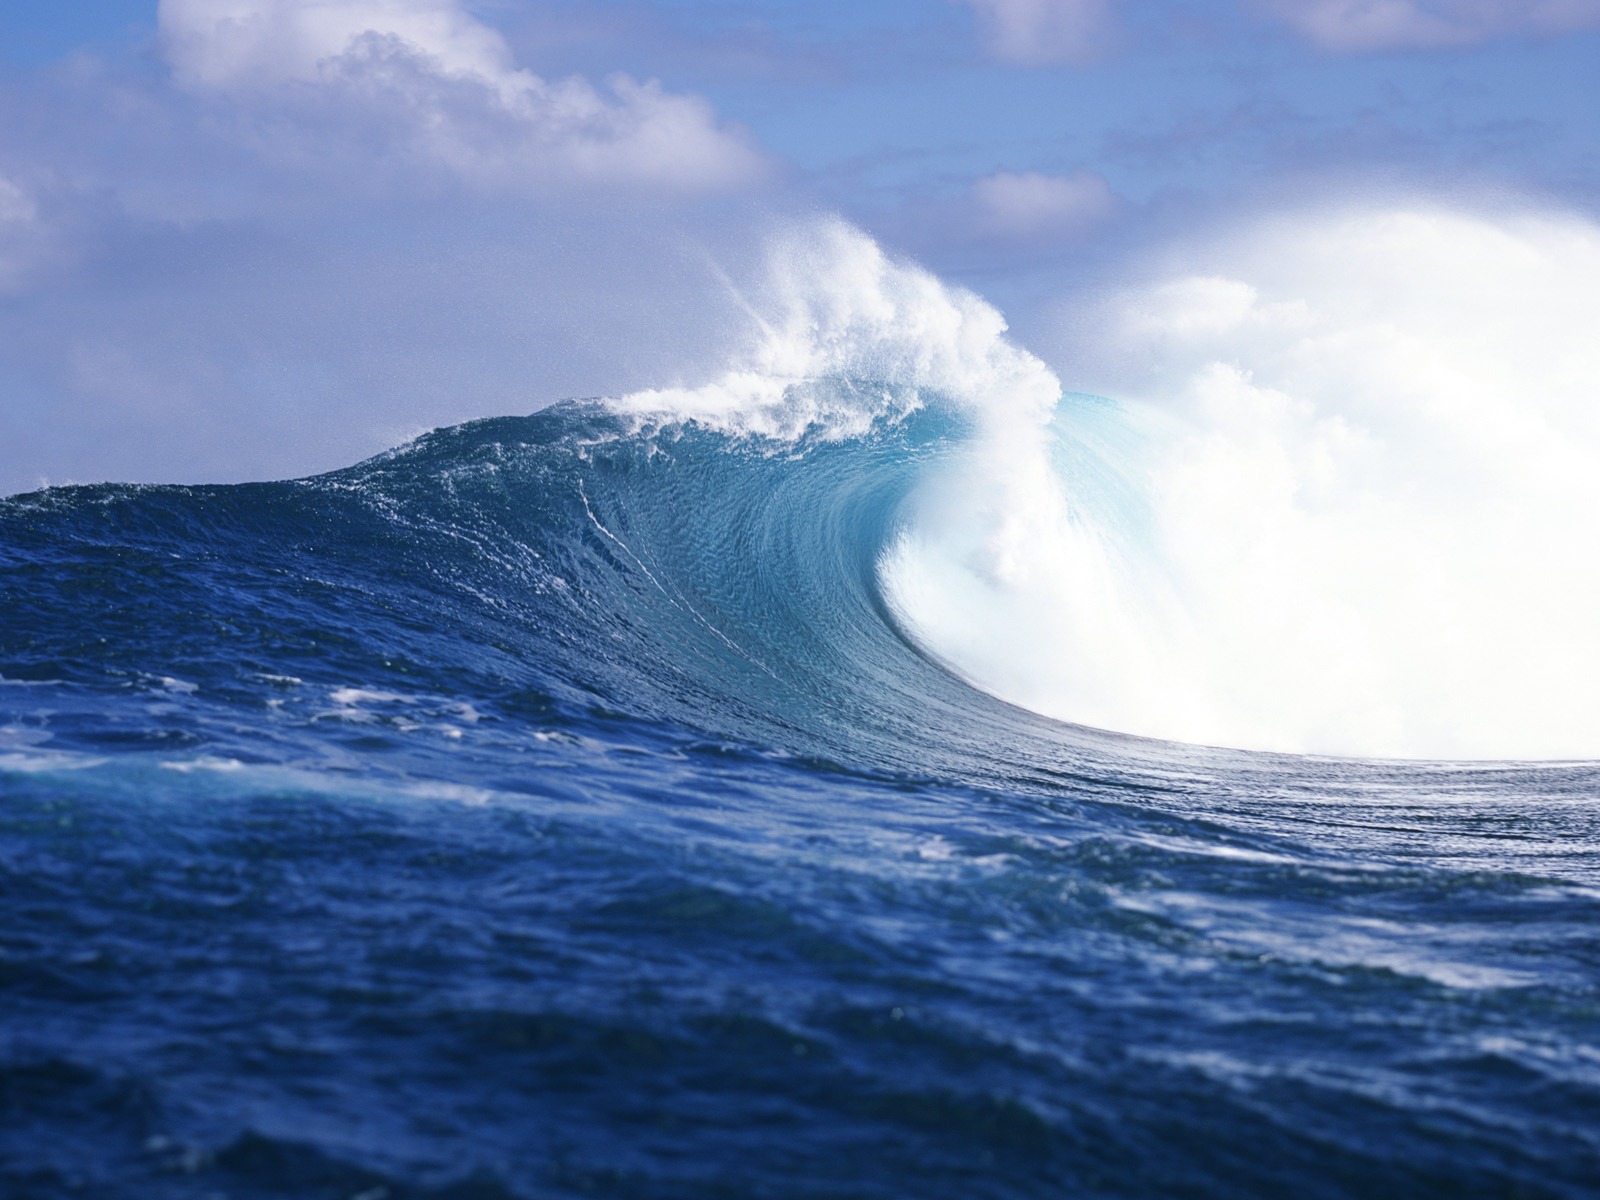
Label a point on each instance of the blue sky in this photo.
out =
(225, 258)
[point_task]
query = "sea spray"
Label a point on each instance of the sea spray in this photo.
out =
(1366, 448)
(1334, 507)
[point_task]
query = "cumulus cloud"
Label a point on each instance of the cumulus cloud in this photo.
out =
(1030, 204)
(424, 78)
(1353, 26)
(1036, 32)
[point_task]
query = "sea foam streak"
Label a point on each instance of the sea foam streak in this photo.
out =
(1343, 502)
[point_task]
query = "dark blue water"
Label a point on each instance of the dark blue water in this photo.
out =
(549, 810)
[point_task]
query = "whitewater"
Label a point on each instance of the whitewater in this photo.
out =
(877, 770)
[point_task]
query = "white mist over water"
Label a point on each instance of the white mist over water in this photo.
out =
(1347, 501)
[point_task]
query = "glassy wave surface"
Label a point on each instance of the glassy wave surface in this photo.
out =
(600, 803)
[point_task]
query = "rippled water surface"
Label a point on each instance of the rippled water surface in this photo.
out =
(553, 809)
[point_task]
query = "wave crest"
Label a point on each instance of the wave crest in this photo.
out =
(1339, 506)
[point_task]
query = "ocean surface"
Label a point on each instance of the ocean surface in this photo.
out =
(567, 806)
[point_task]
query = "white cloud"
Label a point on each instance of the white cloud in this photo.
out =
(232, 43)
(332, 224)
(1352, 26)
(16, 206)
(22, 241)
(1030, 204)
(435, 83)
(1035, 32)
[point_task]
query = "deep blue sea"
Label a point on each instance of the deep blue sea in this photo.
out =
(553, 807)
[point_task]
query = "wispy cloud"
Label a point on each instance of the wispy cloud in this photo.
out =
(1036, 32)
(15, 204)
(21, 239)
(1353, 26)
(1028, 204)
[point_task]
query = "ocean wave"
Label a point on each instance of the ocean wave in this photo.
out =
(883, 504)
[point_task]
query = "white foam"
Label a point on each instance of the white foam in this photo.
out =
(349, 697)
(1363, 456)
(45, 762)
(1348, 503)
(832, 305)
(226, 766)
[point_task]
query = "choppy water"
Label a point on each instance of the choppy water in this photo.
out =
(557, 807)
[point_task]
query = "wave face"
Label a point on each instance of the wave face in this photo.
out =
(556, 806)
(597, 803)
